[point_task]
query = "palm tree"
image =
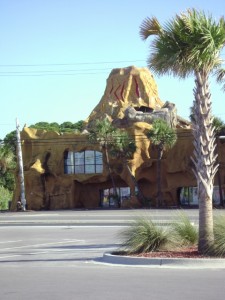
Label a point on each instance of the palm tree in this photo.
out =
(102, 132)
(191, 44)
(162, 136)
(123, 148)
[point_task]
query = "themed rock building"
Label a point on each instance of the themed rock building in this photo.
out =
(66, 171)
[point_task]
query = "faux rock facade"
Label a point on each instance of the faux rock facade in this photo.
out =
(126, 87)
(130, 101)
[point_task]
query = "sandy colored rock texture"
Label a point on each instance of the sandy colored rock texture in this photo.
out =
(46, 185)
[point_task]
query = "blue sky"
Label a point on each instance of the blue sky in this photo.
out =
(55, 56)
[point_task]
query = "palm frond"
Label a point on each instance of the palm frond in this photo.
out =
(190, 42)
(220, 77)
(150, 26)
(102, 132)
(123, 145)
(162, 134)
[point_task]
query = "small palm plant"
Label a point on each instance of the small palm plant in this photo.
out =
(102, 132)
(144, 236)
(123, 148)
(162, 136)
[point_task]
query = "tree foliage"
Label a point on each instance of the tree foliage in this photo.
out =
(10, 141)
(7, 167)
(5, 197)
(219, 126)
(65, 127)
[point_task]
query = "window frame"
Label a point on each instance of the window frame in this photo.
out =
(83, 162)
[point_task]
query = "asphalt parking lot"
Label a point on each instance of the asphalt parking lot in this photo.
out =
(63, 260)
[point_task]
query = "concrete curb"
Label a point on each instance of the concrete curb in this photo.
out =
(164, 262)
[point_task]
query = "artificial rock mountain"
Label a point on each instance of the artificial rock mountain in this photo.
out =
(130, 101)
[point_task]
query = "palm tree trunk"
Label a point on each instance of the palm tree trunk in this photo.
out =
(159, 190)
(140, 194)
(204, 158)
(110, 171)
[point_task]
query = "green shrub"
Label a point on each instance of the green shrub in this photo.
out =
(144, 236)
(183, 231)
(5, 197)
(218, 247)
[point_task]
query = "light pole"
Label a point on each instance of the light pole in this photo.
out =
(20, 162)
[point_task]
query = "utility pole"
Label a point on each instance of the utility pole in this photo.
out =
(20, 162)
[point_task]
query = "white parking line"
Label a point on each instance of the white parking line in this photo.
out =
(76, 251)
(33, 215)
(85, 250)
(8, 256)
(6, 242)
(45, 244)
